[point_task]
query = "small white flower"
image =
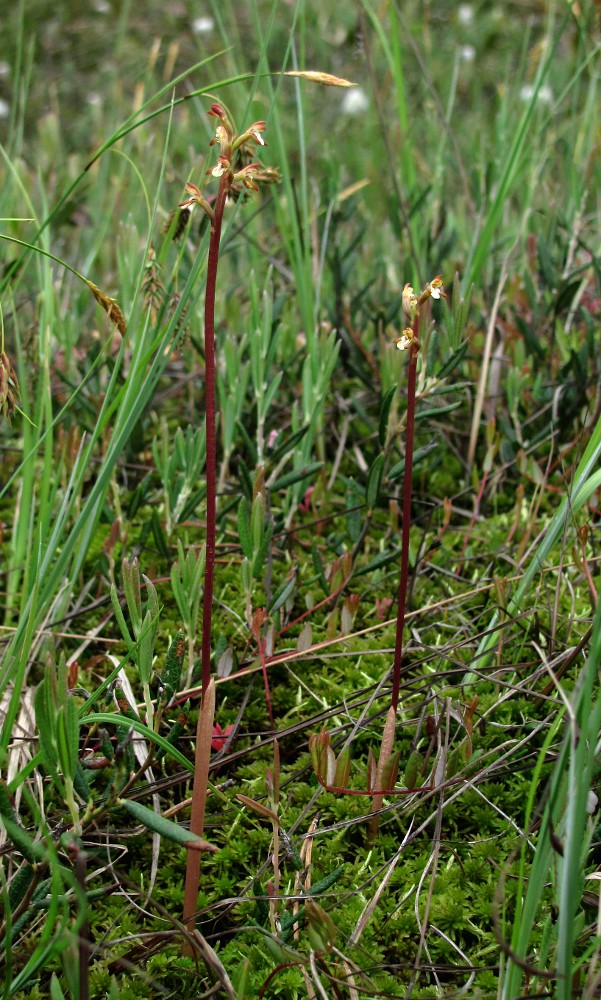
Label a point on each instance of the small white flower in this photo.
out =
(354, 102)
(256, 134)
(405, 340)
(465, 14)
(436, 287)
(592, 803)
(544, 96)
(220, 167)
(102, 7)
(4, 68)
(4, 109)
(203, 25)
(466, 53)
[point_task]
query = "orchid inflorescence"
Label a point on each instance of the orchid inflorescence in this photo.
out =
(411, 306)
(230, 147)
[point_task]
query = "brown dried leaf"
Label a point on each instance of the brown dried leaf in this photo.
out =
(258, 807)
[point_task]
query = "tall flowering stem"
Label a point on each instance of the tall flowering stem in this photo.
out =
(210, 419)
(230, 180)
(406, 529)
(412, 305)
(387, 766)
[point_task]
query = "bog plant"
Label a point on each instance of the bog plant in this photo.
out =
(232, 177)
(333, 772)
(489, 750)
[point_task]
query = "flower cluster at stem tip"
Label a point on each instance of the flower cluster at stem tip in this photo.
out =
(411, 306)
(229, 144)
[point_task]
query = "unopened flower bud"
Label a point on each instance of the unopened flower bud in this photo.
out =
(195, 198)
(409, 302)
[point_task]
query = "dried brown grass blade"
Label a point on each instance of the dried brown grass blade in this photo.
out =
(385, 752)
(202, 762)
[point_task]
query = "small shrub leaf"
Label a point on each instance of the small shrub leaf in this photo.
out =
(165, 827)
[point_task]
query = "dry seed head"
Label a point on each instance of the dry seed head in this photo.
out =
(326, 79)
(152, 287)
(110, 307)
(182, 218)
(9, 387)
(195, 198)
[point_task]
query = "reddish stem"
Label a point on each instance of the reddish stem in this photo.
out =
(407, 481)
(211, 459)
(205, 716)
(266, 682)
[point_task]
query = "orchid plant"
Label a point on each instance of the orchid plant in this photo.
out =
(333, 772)
(231, 181)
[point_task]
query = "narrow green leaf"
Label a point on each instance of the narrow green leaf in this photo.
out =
(382, 559)
(174, 662)
(19, 884)
(56, 990)
(261, 555)
(245, 480)
(67, 727)
(246, 575)
(46, 722)
(281, 595)
(327, 882)
(296, 476)
(412, 768)
(436, 411)
(120, 619)
(269, 395)
(244, 528)
(165, 827)
(385, 413)
(31, 851)
(343, 768)
(420, 453)
(354, 519)
(257, 522)
(159, 536)
(288, 444)
(374, 481)
(131, 586)
(390, 771)
(81, 783)
(453, 361)
(318, 567)
(433, 345)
